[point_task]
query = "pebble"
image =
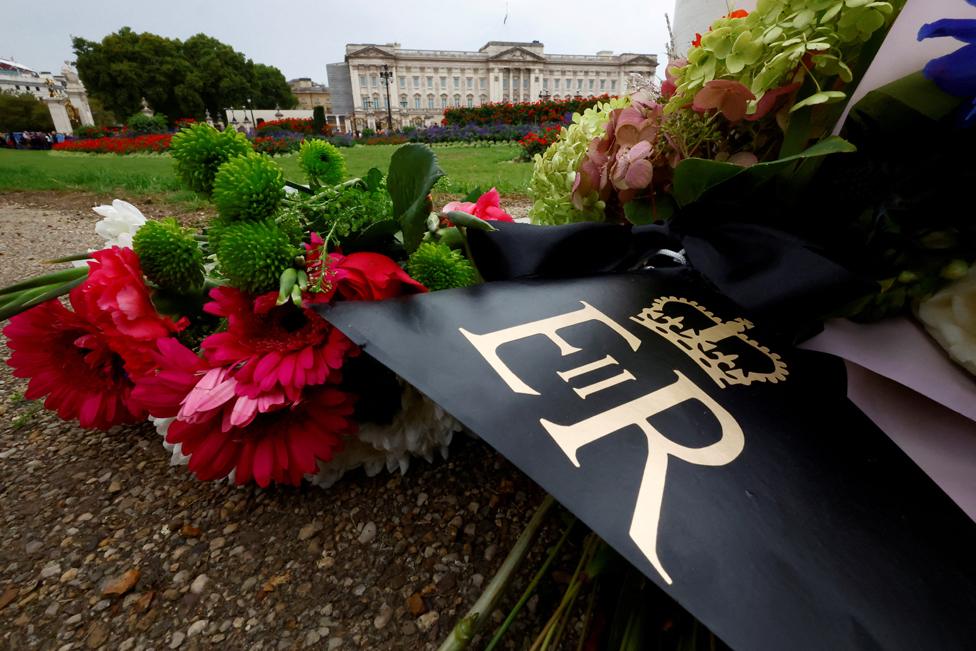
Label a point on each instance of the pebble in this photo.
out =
(69, 575)
(408, 629)
(384, 616)
(127, 644)
(335, 643)
(368, 533)
(199, 584)
(477, 580)
(73, 620)
(309, 530)
(33, 546)
(426, 621)
(181, 577)
(422, 499)
(217, 543)
(312, 638)
(52, 569)
(114, 487)
(196, 627)
(177, 640)
(490, 552)
(97, 635)
(84, 517)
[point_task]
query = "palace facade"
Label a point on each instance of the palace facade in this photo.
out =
(423, 83)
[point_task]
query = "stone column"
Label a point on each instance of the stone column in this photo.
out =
(59, 114)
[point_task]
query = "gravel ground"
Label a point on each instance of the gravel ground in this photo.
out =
(105, 545)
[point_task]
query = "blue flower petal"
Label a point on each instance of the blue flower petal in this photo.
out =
(963, 29)
(955, 73)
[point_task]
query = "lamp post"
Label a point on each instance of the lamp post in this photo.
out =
(387, 75)
(251, 106)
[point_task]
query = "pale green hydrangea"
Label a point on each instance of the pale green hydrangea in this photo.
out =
(554, 170)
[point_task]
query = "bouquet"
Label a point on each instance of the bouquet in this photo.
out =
(214, 334)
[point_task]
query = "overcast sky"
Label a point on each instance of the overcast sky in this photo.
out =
(301, 36)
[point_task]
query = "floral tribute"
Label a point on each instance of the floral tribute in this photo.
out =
(216, 336)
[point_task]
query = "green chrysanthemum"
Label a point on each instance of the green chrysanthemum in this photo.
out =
(322, 163)
(252, 255)
(554, 170)
(248, 187)
(169, 256)
(199, 150)
(437, 266)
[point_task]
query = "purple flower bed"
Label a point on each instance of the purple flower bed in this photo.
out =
(475, 133)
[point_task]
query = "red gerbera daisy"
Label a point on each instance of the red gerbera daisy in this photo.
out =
(68, 359)
(281, 446)
(271, 442)
(280, 349)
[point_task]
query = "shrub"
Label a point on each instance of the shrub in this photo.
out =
(539, 112)
(142, 124)
(537, 142)
(276, 145)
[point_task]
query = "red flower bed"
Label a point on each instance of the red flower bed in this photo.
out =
(535, 143)
(157, 142)
(297, 125)
(539, 112)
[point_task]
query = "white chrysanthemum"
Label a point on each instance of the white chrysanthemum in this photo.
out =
(950, 317)
(119, 223)
(420, 429)
(176, 450)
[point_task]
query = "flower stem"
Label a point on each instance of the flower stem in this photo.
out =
(500, 633)
(466, 629)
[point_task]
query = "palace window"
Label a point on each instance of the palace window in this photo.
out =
(525, 82)
(603, 84)
(470, 83)
(372, 81)
(483, 83)
(483, 99)
(430, 82)
(591, 83)
(365, 101)
(457, 100)
(362, 81)
(457, 82)
(443, 82)
(613, 84)
(430, 101)
(403, 101)
(470, 101)
(545, 83)
(443, 101)
(579, 84)
(416, 101)
(403, 82)
(416, 81)
(556, 83)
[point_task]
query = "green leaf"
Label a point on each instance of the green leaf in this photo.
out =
(639, 212)
(65, 275)
(473, 196)
(413, 172)
(373, 179)
(823, 97)
(695, 176)
(468, 221)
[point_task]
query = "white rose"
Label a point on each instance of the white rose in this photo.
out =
(950, 317)
(119, 223)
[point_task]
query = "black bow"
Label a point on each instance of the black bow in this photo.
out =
(779, 278)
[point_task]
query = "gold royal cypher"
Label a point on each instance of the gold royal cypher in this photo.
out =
(702, 346)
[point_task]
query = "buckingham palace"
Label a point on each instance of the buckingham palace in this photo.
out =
(421, 84)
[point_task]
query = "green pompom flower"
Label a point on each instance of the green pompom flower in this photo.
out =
(248, 187)
(554, 170)
(199, 150)
(252, 254)
(169, 256)
(322, 163)
(437, 266)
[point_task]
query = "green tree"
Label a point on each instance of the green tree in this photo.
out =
(269, 88)
(100, 115)
(23, 112)
(125, 67)
(177, 78)
(318, 119)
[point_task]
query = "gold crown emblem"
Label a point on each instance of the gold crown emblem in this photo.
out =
(702, 346)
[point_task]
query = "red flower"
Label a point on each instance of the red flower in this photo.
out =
(488, 207)
(359, 276)
(697, 41)
(68, 359)
(279, 446)
(279, 350)
(280, 442)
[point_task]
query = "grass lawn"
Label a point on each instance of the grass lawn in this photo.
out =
(467, 167)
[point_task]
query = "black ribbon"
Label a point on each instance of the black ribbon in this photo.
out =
(787, 282)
